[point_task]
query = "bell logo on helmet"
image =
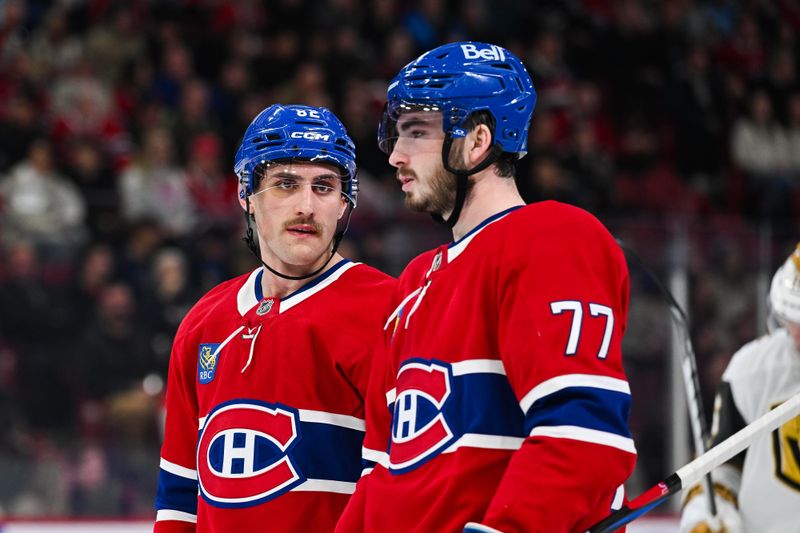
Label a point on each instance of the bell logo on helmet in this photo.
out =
(493, 53)
(309, 135)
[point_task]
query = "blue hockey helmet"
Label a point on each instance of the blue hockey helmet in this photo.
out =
(459, 79)
(296, 133)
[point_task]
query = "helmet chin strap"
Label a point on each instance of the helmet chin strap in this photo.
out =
(462, 178)
(250, 240)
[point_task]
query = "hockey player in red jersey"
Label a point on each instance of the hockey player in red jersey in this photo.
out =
(498, 400)
(265, 413)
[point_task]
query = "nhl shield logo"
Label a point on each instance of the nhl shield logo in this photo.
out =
(207, 358)
(265, 307)
(437, 262)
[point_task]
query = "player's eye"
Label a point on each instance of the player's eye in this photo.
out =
(286, 184)
(417, 133)
(323, 187)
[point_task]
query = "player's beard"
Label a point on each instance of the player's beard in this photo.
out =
(441, 195)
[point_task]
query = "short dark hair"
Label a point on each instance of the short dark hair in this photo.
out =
(507, 162)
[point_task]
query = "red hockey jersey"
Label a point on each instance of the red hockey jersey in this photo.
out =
(502, 399)
(265, 412)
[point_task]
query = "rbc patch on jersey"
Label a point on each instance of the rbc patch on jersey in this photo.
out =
(207, 358)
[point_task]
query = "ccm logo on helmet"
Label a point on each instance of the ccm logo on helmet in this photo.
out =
(244, 453)
(310, 135)
(493, 53)
(419, 428)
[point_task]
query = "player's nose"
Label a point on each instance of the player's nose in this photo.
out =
(399, 156)
(305, 200)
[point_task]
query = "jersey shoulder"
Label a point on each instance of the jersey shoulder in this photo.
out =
(219, 301)
(368, 286)
(551, 214)
(363, 275)
(758, 356)
(554, 233)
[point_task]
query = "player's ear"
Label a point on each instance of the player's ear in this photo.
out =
(247, 206)
(342, 209)
(479, 144)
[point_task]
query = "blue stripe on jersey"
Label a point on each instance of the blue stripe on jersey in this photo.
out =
(176, 493)
(485, 404)
(326, 451)
(587, 407)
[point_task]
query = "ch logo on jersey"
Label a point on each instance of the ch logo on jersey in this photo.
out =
(244, 453)
(207, 358)
(419, 429)
(786, 447)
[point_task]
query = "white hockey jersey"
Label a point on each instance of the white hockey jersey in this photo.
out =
(761, 375)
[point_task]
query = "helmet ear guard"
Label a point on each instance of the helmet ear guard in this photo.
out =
(784, 292)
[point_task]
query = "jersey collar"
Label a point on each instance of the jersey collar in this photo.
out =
(250, 294)
(455, 248)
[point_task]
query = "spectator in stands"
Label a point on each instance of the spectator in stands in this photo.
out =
(211, 189)
(40, 205)
(154, 187)
(760, 149)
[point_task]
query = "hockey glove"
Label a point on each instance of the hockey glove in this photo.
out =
(696, 518)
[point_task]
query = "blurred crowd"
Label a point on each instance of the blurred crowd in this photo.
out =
(118, 125)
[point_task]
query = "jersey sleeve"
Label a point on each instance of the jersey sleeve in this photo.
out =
(176, 499)
(376, 440)
(563, 306)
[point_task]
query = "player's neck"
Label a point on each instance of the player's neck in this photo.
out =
(272, 285)
(489, 195)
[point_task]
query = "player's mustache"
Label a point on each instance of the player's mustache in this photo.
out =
(306, 221)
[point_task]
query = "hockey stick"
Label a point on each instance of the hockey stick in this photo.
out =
(692, 473)
(691, 381)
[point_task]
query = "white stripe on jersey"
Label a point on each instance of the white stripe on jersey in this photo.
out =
(321, 417)
(326, 485)
(169, 514)
(558, 383)
(492, 442)
(479, 366)
(585, 435)
(178, 470)
(619, 498)
(246, 298)
(382, 458)
(391, 396)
